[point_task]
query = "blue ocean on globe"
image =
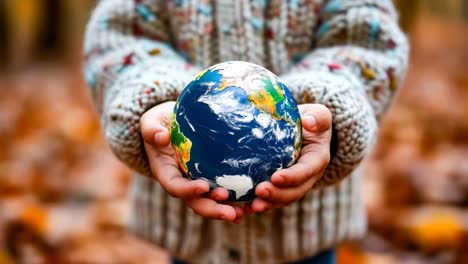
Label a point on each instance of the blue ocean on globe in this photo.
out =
(234, 125)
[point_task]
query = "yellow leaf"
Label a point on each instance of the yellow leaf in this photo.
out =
(438, 229)
(35, 217)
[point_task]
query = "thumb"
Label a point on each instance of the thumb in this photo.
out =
(316, 118)
(155, 123)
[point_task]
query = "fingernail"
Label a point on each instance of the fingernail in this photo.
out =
(278, 179)
(309, 121)
(224, 217)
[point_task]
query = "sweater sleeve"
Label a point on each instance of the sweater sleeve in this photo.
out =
(359, 61)
(131, 67)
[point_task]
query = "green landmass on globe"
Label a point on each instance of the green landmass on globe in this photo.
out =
(181, 144)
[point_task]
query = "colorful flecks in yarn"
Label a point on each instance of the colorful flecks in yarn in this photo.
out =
(374, 28)
(332, 6)
(334, 66)
(393, 81)
(154, 52)
(204, 9)
(323, 29)
(367, 72)
(145, 12)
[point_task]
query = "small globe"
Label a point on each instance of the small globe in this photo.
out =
(234, 125)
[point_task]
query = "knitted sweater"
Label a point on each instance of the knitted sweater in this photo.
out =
(348, 55)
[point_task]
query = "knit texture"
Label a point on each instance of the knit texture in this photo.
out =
(348, 55)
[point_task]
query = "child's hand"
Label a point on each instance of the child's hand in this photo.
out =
(154, 126)
(291, 184)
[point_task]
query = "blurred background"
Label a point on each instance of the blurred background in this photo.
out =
(63, 196)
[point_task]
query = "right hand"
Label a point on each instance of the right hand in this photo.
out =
(155, 130)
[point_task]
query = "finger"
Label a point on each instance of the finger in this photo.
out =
(269, 192)
(209, 208)
(315, 117)
(180, 187)
(171, 179)
(239, 211)
(156, 120)
(239, 215)
(219, 194)
(167, 172)
(313, 160)
(259, 205)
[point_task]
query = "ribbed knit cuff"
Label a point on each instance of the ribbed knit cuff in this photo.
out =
(354, 124)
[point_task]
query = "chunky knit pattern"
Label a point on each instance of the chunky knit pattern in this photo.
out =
(349, 55)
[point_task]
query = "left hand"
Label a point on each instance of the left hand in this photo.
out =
(291, 184)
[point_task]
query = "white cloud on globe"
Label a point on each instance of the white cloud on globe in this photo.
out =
(232, 70)
(279, 133)
(188, 122)
(208, 84)
(263, 120)
(237, 163)
(196, 167)
(257, 132)
(228, 108)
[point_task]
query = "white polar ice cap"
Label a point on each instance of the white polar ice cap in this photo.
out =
(240, 184)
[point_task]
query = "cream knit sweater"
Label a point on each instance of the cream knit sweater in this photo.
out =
(349, 55)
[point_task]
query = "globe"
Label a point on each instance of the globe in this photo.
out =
(234, 125)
